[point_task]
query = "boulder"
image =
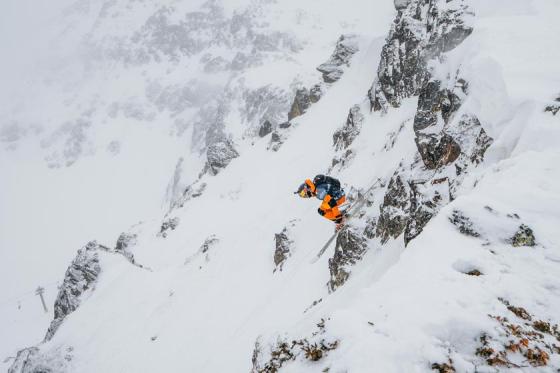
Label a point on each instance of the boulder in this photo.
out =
(523, 237)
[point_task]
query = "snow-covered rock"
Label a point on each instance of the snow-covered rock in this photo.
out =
(303, 99)
(343, 137)
(80, 277)
(284, 245)
(333, 68)
(219, 155)
(350, 248)
(422, 31)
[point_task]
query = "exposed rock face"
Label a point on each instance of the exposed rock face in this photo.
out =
(341, 160)
(124, 242)
(516, 335)
(276, 141)
(332, 69)
(80, 277)
(415, 195)
(435, 107)
(202, 256)
(436, 103)
(32, 360)
(422, 30)
(208, 244)
(24, 359)
(426, 198)
(219, 155)
(283, 351)
(350, 248)
(444, 367)
(396, 204)
(169, 224)
(315, 93)
(448, 144)
(437, 150)
(440, 137)
(303, 100)
(344, 136)
(283, 245)
(523, 237)
(265, 129)
(473, 141)
(401, 4)
(463, 223)
(194, 190)
(553, 108)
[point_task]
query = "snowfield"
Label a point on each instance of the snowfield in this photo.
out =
(143, 129)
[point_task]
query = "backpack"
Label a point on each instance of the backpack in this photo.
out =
(322, 179)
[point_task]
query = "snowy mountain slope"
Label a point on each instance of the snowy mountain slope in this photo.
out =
(82, 126)
(209, 296)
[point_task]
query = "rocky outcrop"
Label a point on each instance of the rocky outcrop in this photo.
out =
(124, 243)
(202, 256)
(422, 30)
(350, 248)
(341, 160)
(303, 99)
(24, 359)
(81, 276)
(463, 223)
(394, 210)
(417, 191)
(437, 150)
(265, 128)
(168, 225)
(276, 141)
(553, 108)
(283, 245)
(519, 335)
(448, 145)
(441, 137)
(80, 279)
(426, 198)
(435, 108)
(401, 4)
(523, 237)
(283, 351)
(333, 68)
(344, 136)
(219, 155)
(33, 360)
(194, 190)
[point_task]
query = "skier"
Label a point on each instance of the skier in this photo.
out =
(328, 190)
